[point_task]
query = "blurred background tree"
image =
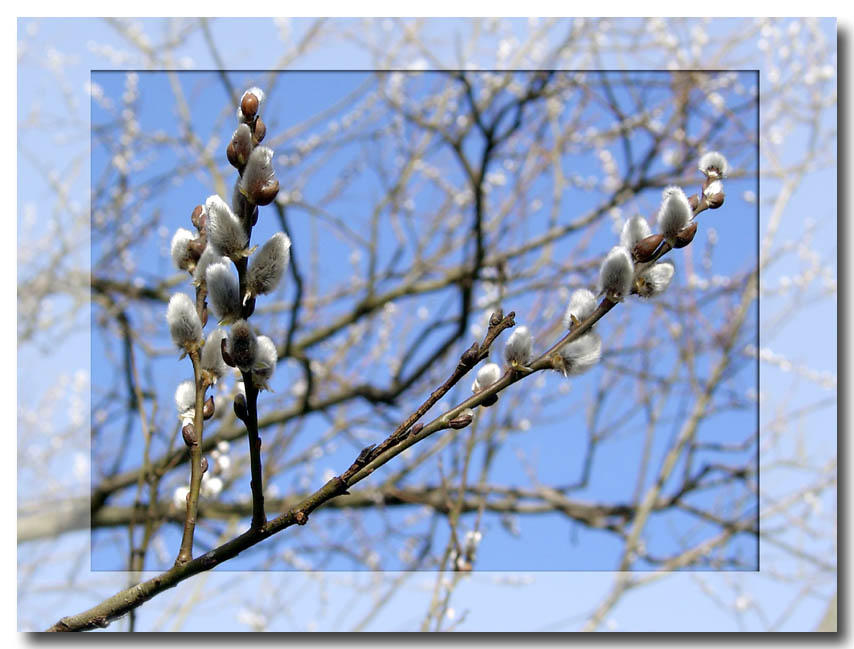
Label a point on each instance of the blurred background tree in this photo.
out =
(419, 202)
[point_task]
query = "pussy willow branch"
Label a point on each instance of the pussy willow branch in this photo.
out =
(185, 553)
(368, 461)
(256, 481)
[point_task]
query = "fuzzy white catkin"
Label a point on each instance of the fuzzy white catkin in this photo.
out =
(616, 274)
(674, 214)
(714, 187)
(223, 292)
(486, 376)
(713, 163)
(634, 230)
(212, 355)
(211, 486)
(582, 304)
(259, 171)
(184, 324)
(185, 397)
(242, 345)
(225, 231)
(656, 279)
(266, 357)
(267, 266)
(519, 347)
(180, 254)
(179, 497)
(209, 256)
(582, 354)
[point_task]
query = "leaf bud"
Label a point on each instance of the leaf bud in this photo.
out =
(209, 408)
(188, 432)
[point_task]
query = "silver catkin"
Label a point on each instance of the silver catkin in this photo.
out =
(267, 266)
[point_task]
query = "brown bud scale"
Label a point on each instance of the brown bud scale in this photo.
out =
(645, 248)
(492, 399)
(188, 432)
(208, 410)
(196, 217)
(249, 105)
(260, 131)
(715, 200)
(226, 357)
(460, 422)
(686, 236)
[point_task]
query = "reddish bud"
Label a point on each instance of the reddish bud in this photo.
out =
(260, 131)
(266, 194)
(188, 432)
(231, 154)
(460, 422)
(715, 201)
(685, 236)
(208, 410)
(196, 217)
(225, 355)
(196, 247)
(204, 464)
(645, 248)
(249, 105)
(240, 407)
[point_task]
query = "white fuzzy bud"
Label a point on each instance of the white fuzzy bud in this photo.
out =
(209, 256)
(713, 164)
(242, 345)
(223, 464)
(179, 497)
(225, 231)
(211, 487)
(212, 356)
(224, 292)
(267, 266)
(582, 304)
(224, 446)
(581, 354)
(486, 376)
(634, 230)
(674, 214)
(655, 280)
(258, 183)
(713, 188)
(185, 398)
(616, 274)
(266, 358)
(471, 541)
(184, 324)
(520, 346)
(180, 254)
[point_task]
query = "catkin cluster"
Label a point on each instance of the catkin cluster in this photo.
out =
(631, 268)
(228, 273)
